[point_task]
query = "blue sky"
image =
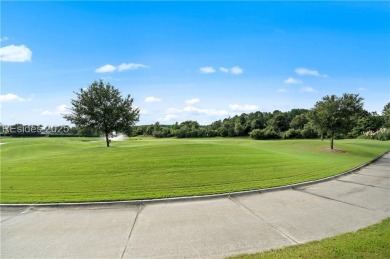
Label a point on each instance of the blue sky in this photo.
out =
(192, 60)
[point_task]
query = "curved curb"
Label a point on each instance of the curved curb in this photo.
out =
(107, 204)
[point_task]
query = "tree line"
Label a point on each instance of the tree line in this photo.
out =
(319, 122)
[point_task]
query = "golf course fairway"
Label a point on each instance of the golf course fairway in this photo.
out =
(42, 170)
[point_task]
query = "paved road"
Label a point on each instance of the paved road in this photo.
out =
(208, 229)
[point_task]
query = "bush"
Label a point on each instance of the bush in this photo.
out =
(382, 134)
(292, 134)
(309, 131)
(267, 133)
(257, 134)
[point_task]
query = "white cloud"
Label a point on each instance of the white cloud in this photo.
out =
(168, 117)
(243, 108)
(152, 99)
(224, 69)
(233, 70)
(192, 101)
(207, 112)
(122, 67)
(236, 70)
(207, 70)
(142, 111)
(292, 80)
(308, 72)
(105, 69)
(13, 53)
(11, 98)
(46, 112)
(308, 90)
(196, 110)
(130, 66)
(282, 90)
(188, 113)
(60, 109)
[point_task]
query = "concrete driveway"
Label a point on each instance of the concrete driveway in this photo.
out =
(213, 228)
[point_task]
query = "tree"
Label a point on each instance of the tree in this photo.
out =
(386, 114)
(367, 122)
(279, 122)
(299, 121)
(101, 107)
(335, 114)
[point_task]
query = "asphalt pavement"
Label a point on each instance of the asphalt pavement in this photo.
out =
(210, 228)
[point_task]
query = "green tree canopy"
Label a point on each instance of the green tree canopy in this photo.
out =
(335, 114)
(101, 107)
(386, 114)
(299, 121)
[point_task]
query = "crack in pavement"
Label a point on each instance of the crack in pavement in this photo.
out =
(270, 224)
(196, 252)
(140, 208)
(328, 198)
(368, 185)
(29, 209)
(387, 177)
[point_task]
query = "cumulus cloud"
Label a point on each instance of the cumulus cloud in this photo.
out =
(207, 70)
(190, 110)
(168, 117)
(152, 99)
(105, 69)
(308, 72)
(207, 112)
(308, 90)
(130, 66)
(192, 101)
(60, 109)
(122, 67)
(233, 70)
(292, 80)
(11, 98)
(236, 70)
(205, 115)
(243, 108)
(224, 69)
(13, 53)
(142, 111)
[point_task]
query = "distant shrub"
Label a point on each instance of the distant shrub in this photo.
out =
(163, 133)
(64, 135)
(292, 134)
(267, 133)
(257, 134)
(382, 134)
(309, 131)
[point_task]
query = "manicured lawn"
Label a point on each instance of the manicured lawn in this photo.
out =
(76, 169)
(371, 242)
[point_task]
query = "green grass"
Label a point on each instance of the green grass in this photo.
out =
(76, 169)
(371, 242)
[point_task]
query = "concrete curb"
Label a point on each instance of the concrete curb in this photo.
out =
(110, 204)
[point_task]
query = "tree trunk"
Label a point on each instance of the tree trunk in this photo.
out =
(107, 140)
(331, 141)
